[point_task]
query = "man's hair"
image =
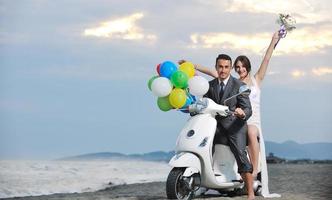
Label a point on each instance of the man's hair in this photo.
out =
(245, 62)
(223, 57)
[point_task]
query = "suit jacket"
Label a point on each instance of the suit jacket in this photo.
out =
(231, 124)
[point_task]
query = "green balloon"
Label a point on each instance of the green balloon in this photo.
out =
(163, 104)
(179, 79)
(151, 80)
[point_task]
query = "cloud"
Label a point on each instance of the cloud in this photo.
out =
(307, 40)
(318, 73)
(305, 11)
(124, 28)
(229, 41)
(272, 73)
(300, 41)
(321, 71)
(298, 73)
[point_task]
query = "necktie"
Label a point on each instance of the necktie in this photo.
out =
(221, 90)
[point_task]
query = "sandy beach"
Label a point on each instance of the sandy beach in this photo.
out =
(146, 191)
(296, 182)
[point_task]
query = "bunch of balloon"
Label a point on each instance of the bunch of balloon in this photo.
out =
(176, 87)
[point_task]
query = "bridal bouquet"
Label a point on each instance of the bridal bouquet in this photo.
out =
(287, 24)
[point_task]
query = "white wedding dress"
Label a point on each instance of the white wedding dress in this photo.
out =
(255, 120)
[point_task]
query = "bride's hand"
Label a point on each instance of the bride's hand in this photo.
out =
(276, 35)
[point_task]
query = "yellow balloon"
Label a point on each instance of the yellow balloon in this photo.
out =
(178, 98)
(188, 68)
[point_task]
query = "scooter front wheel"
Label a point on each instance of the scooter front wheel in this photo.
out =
(178, 186)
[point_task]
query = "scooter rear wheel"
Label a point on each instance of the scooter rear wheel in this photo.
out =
(177, 186)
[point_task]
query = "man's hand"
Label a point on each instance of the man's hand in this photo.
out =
(239, 113)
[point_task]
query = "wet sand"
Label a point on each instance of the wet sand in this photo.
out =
(146, 191)
(296, 182)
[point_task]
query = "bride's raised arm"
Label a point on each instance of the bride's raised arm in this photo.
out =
(260, 74)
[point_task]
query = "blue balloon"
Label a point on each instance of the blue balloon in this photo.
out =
(167, 68)
(188, 102)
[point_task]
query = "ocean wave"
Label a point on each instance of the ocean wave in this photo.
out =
(33, 178)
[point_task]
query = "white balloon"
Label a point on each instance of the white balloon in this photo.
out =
(161, 87)
(198, 86)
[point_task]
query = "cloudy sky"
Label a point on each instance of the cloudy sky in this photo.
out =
(73, 74)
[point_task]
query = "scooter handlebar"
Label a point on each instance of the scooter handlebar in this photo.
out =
(227, 113)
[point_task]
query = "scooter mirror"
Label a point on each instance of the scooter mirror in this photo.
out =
(244, 89)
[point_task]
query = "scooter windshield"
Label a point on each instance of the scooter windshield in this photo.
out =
(198, 106)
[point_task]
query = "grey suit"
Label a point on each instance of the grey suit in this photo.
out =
(232, 130)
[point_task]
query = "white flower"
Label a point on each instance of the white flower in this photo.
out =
(287, 21)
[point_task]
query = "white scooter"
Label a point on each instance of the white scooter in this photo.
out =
(195, 165)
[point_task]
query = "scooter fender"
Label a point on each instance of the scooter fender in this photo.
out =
(188, 160)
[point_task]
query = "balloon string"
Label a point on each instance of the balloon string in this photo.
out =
(189, 95)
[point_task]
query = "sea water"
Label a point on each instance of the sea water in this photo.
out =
(31, 178)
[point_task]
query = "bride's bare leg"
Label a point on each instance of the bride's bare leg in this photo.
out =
(253, 147)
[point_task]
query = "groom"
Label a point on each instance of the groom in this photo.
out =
(232, 129)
